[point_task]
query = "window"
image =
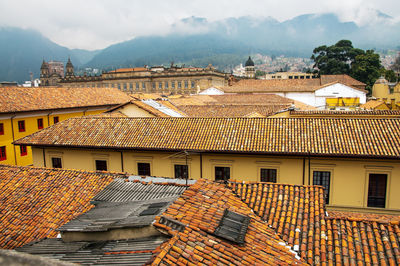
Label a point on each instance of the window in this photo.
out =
(55, 119)
(101, 165)
(56, 162)
(143, 85)
(160, 85)
(40, 123)
(290, 77)
(186, 84)
(143, 169)
(21, 126)
(137, 86)
(1, 129)
(181, 171)
(323, 178)
(124, 86)
(166, 84)
(173, 84)
(3, 155)
(268, 175)
(154, 85)
(23, 150)
(233, 226)
(222, 173)
(131, 86)
(192, 84)
(179, 85)
(377, 190)
(119, 86)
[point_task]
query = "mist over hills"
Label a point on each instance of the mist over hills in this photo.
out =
(198, 42)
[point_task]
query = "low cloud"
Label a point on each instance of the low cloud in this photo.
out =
(94, 24)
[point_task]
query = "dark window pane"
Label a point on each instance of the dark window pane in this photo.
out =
(101, 165)
(56, 162)
(55, 119)
(21, 126)
(181, 171)
(144, 169)
(40, 123)
(268, 175)
(222, 173)
(3, 155)
(377, 190)
(323, 178)
(23, 150)
(1, 129)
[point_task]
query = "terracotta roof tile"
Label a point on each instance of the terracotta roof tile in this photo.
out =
(297, 214)
(200, 208)
(36, 201)
(19, 99)
(315, 136)
(357, 113)
(372, 104)
(290, 85)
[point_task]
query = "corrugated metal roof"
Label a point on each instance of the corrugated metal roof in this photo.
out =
(128, 252)
(121, 191)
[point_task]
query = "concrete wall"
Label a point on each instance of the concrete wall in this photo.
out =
(349, 177)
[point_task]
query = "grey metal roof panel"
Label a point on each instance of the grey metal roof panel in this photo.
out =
(123, 252)
(111, 215)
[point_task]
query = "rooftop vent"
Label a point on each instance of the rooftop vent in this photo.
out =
(153, 209)
(233, 226)
(174, 224)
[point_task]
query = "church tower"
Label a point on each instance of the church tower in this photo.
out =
(44, 74)
(250, 71)
(69, 69)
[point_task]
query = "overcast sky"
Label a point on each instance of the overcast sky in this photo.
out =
(95, 24)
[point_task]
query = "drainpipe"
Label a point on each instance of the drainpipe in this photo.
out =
(48, 119)
(122, 162)
(13, 137)
(44, 157)
(304, 169)
(201, 165)
(309, 168)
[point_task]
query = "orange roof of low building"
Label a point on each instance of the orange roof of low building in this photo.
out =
(20, 99)
(199, 211)
(346, 113)
(36, 201)
(373, 104)
(291, 85)
(375, 138)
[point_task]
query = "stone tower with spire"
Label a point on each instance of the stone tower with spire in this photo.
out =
(250, 71)
(69, 69)
(44, 74)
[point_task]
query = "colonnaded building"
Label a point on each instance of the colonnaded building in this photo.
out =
(158, 79)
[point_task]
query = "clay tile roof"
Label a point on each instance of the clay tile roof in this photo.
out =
(231, 110)
(345, 113)
(344, 137)
(343, 78)
(297, 213)
(372, 104)
(36, 201)
(199, 211)
(290, 85)
(19, 99)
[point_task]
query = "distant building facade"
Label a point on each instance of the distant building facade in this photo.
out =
(158, 79)
(250, 71)
(387, 92)
(290, 75)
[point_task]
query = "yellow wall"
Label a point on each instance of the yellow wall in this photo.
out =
(132, 110)
(349, 177)
(382, 91)
(15, 158)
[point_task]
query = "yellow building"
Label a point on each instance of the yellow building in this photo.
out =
(24, 111)
(368, 114)
(157, 79)
(356, 160)
(290, 75)
(387, 92)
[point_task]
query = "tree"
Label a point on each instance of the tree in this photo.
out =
(335, 59)
(343, 58)
(367, 68)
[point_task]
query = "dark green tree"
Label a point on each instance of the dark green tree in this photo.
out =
(367, 68)
(335, 59)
